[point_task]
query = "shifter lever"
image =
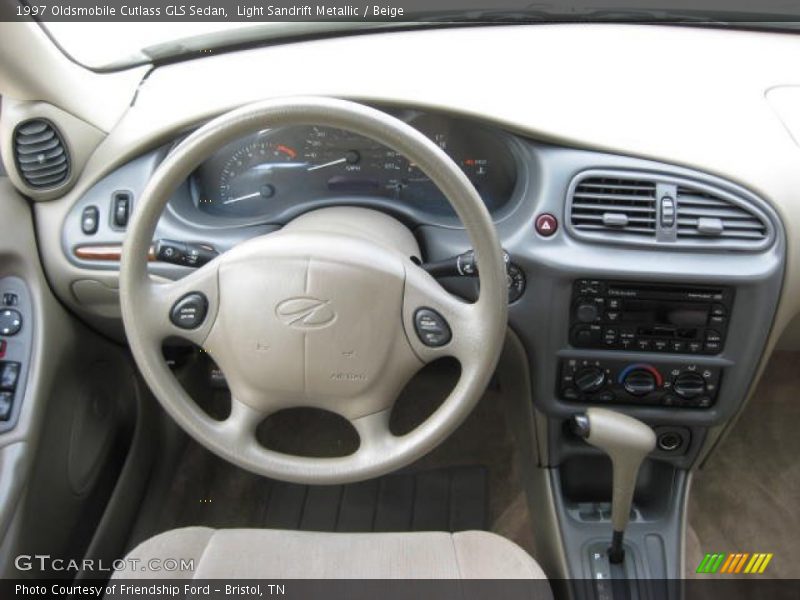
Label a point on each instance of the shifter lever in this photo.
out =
(626, 441)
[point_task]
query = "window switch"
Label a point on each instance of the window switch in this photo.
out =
(6, 404)
(9, 374)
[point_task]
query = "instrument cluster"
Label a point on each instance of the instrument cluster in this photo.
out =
(271, 170)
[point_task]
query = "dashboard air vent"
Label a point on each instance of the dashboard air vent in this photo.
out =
(40, 154)
(614, 205)
(705, 215)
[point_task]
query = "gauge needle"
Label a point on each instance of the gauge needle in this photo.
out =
(338, 161)
(245, 197)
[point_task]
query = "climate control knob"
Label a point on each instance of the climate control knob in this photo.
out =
(639, 382)
(689, 385)
(590, 379)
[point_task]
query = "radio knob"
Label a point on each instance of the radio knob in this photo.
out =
(689, 385)
(587, 313)
(590, 379)
(639, 382)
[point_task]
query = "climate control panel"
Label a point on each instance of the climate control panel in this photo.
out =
(657, 383)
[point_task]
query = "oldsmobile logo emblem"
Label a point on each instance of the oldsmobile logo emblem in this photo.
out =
(305, 312)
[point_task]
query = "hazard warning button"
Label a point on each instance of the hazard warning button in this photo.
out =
(546, 224)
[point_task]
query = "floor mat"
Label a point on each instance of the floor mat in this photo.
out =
(746, 498)
(212, 493)
(470, 481)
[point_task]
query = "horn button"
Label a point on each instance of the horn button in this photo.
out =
(312, 331)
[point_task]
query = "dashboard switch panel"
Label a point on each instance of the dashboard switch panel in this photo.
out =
(16, 341)
(649, 317)
(667, 383)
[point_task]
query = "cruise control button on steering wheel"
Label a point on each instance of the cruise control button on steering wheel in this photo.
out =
(190, 311)
(432, 328)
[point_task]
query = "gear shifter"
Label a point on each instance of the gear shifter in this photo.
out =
(626, 441)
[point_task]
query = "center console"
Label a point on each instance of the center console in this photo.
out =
(678, 355)
(652, 318)
(650, 299)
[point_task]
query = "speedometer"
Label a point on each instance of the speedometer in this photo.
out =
(328, 149)
(350, 163)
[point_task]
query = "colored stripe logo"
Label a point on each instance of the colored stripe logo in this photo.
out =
(737, 562)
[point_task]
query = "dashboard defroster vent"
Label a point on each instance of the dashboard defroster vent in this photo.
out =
(40, 154)
(701, 214)
(614, 205)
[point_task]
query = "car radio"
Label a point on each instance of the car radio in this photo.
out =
(649, 317)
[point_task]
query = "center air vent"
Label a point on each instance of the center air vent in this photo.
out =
(705, 215)
(614, 204)
(659, 210)
(40, 154)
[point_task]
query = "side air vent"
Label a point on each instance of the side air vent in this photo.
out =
(41, 154)
(615, 205)
(701, 214)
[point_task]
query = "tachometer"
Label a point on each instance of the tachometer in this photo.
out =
(255, 173)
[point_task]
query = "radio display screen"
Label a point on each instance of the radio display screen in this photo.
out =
(678, 314)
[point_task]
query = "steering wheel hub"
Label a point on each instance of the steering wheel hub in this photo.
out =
(311, 319)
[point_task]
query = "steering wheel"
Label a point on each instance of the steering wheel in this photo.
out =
(329, 312)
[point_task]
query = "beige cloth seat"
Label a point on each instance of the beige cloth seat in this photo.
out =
(278, 554)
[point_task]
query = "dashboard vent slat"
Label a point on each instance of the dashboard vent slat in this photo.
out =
(40, 153)
(696, 208)
(614, 204)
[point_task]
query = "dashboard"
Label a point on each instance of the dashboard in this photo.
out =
(535, 145)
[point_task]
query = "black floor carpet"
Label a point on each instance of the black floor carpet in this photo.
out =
(210, 492)
(468, 482)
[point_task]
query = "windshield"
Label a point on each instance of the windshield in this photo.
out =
(106, 45)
